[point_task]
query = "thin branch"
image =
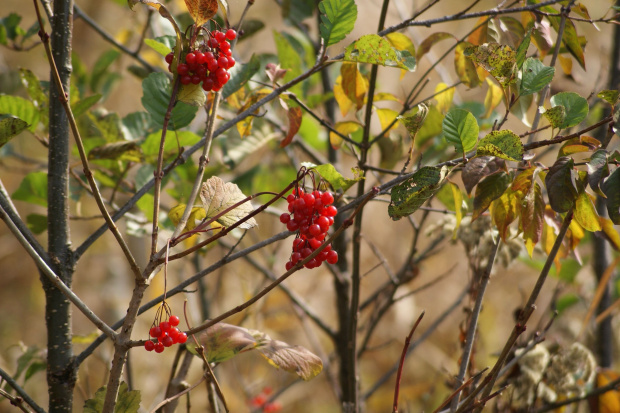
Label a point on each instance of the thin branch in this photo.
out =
(402, 362)
(22, 393)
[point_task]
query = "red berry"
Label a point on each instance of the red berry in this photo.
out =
(295, 257)
(159, 347)
(212, 65)
(207, 84)
(332, 257)
(231, 34)
(200, 58)
(190, 58)
(327, 198)
(314, 243)
(224, 46)
(292, 226)
(290, 199)
(219, 36)
(305, 252)
(231, 62)
(314, 230)
(258, 400)
(213, 42)
(174, 320)
(167, 341)
(313, 263)
(165, 326)
(322, 256)
(169, 57)
(149, 346)
(222, 62)
(322, 221)
(195, 79)
(181, 338)
(330, 211)
(284, 218)
(155, 331)
(289, 265)
(273, 407)
(186, 79)
(182, 69)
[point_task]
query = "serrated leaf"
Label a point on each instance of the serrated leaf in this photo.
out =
(20, 108)
(460, 128)
(532, 217)
(477, 168)
(37, 223)
(535, 76)
(217, 196)
(337, 20)
(223, 341)
(201, 10)
(95, 405)
(375, 49)
(503, 144)
(576, 108)
(9, 128)
(585, 213)
(493, 98)
(609, 96)
(429, 42)
(611, 188)
(33, 189)
(489, 189)
(464, 66)
(335, 179)
(414, 122)
(499, 60)
(126, 401)
(192, 95)
(560, 185)
(598, 169)
(294, 116)
(410, 195)
(556, 116)
(239, 75)
(156, 98)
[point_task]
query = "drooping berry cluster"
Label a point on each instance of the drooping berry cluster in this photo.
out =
(312, 214)
(260, 401)
(166, 333)
(210, 65)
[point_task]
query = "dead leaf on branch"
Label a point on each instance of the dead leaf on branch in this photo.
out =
(217, 196)
(224, 341)
(201, 10)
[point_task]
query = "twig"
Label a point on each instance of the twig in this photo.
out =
(176, 396)
(16, 401)
(22, 393)
(460, 388)
(402, 362)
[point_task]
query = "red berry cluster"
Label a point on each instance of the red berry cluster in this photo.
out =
(166, 334)
(260, 401)
(209, 66)
(311, 214)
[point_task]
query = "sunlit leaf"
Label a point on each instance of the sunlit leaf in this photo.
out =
(201, 10)
(160, 47)
(479, 36)
(576, 108)
(560, 184)
(461, 129)
(444, 96)
(493, 98)
(20, 108)
(192, 94)
(450, 195)
(346, 128)
(218, 196)
(414, 122)
(410, 195)
(335, 179)
(608, 402)
(499, 60)
(535, 76)
(503, 144)
(375, 49)
(10, 127)
(609, 232)
(464, 66)
(555, 115)
(429, 42)
(344, 103)
(585, 213)
(337, 19)
(150, 146)
(387, 117)
(489, 189)
(579, 144)
(609, 96)
(354, 84)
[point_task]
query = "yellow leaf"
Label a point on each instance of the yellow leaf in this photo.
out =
(479, 36)
(201, 10)
(401, 42)
(458, 203)
(585, 213)
(464, 66)
(493, 98)
(566, 63)
(176, 213)
(344, 103)
(610, 232)
(444, 97)
(345, 128)
(354, 84)
(387, 117)
(608, 402)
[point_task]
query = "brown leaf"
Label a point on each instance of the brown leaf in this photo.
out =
(201, 10)
(217, 196)
(294, 123)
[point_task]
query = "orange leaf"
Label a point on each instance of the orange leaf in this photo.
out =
(201, 10)
(294, 123)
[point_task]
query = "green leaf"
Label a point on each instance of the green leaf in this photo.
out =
(121, 150)
(239, 76)
(101, 67)
(288, 57)
(35, 91)
(461, 129)
(503, 144)
(566, 301)
(609, 96)
(560, 183)
(192, 94)
(489, 189)
(598, 169)
(335, 179)
(11, 26)
(150, 146)
(156, 97)
(585, 213)
(33, 189)
(414, 122)
(95, 405)
(611, 188)
(80, 107)
(556, 116)
(522, 49)
(21, 108)
(10, 127)
(135, 125)
(337, 20)
(535, 76)
(576, 107)
(161, 47)
(126, 401)
(378, 50)
(37, 223)
(410, 195)
(499, 60)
